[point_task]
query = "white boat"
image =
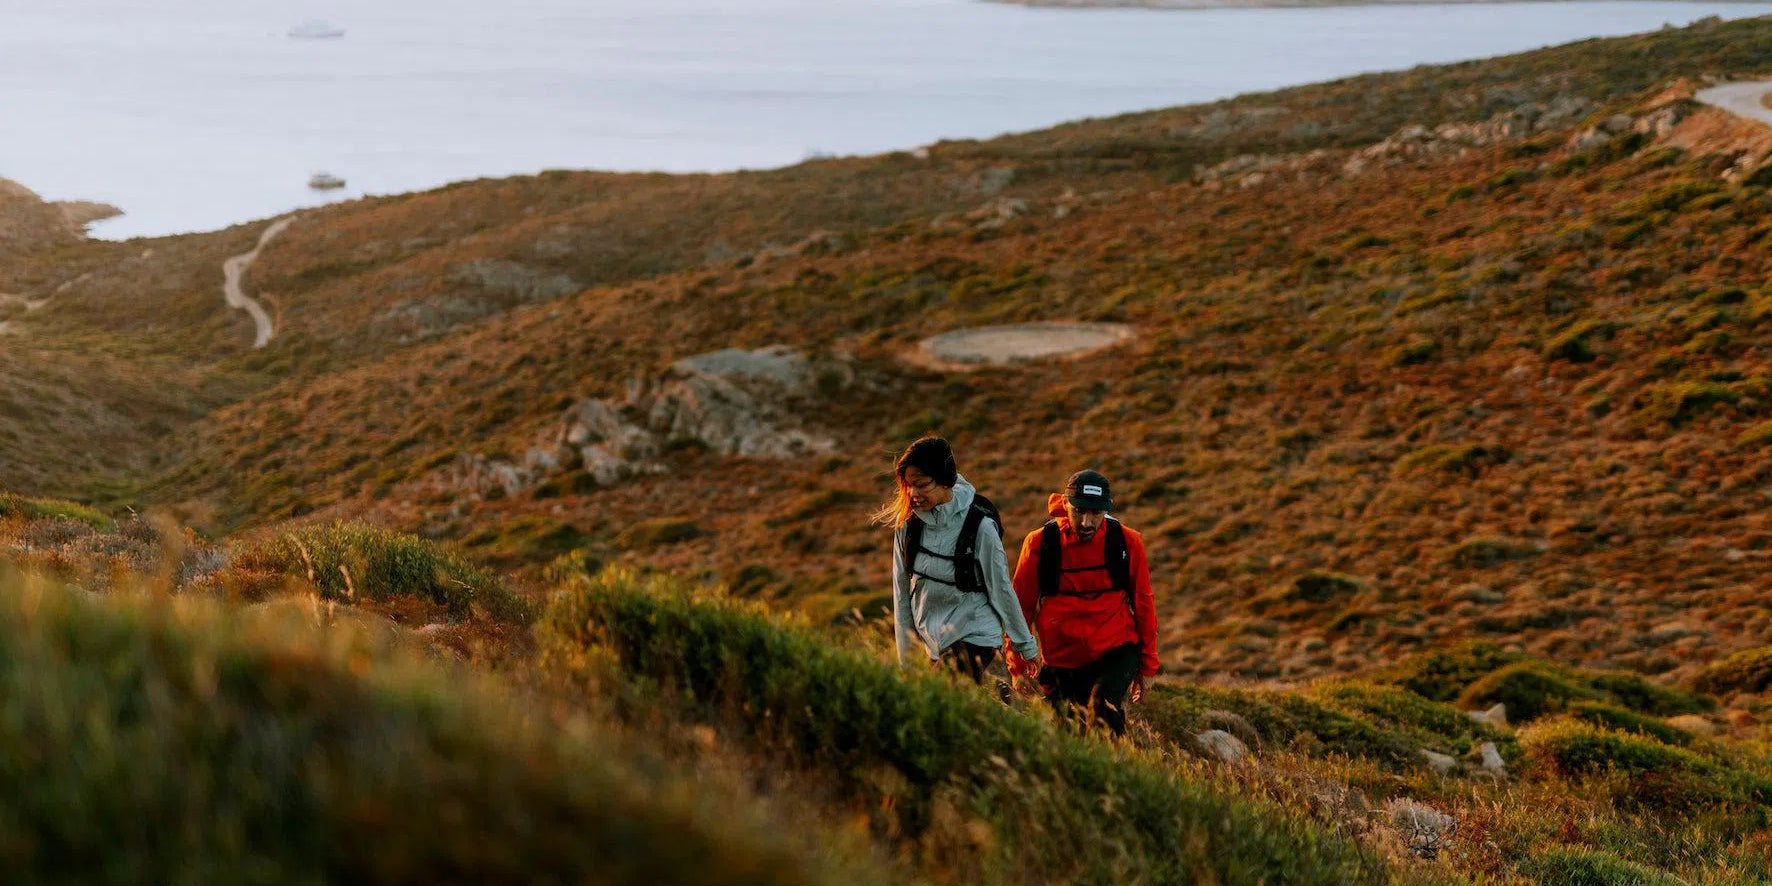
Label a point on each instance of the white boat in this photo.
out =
(316, 30)
(325, 181)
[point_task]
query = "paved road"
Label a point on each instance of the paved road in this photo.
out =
(235, 268)
(1740, 99)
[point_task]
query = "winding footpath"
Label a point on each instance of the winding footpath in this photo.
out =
(1740, 99)
(235, 268)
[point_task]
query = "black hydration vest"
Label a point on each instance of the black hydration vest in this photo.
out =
(968, 571)
(1118, 565)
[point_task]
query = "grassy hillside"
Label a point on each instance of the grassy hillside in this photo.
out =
(1515, 394)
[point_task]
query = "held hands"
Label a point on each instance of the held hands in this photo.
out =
(1137, 689)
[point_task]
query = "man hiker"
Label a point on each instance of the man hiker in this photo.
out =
(1085, 586)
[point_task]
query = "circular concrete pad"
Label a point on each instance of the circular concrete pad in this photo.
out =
(998, 345)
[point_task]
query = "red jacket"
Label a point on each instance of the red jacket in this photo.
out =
(1075, 631)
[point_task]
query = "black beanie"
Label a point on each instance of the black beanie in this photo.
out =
(934, 457)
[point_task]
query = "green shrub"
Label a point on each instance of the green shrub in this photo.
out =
(1469, 459)
(656, 534)
(1651, 775)
(1428, 722)
(1312, 589)
(1101, 816)
(1484, 552)
(1564, 866)
(145, 745)
(1443, 675)
(1746, 671)
(1529, 689)
(1574, 344)
(1178, 711)
(1755, 437)
(1414, 352)
(50, 509)
(1645, 696)
(1620, 719)
(346, 560)
(1676, 402)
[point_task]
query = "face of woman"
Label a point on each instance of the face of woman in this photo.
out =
(925, 493)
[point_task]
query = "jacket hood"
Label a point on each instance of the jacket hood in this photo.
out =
(964, 493)
(1055, 506)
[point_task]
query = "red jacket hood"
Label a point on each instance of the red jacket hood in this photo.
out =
(1055, 506)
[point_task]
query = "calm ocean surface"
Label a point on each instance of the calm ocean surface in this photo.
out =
(197, 114)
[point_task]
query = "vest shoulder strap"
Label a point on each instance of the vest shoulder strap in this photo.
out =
(1119, 557)
(1051, 563)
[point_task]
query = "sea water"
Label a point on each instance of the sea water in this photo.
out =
(198, 114)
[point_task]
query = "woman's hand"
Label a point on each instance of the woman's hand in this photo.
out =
(1137, 689)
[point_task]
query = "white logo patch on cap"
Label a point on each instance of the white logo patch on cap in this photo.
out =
(1092, 490)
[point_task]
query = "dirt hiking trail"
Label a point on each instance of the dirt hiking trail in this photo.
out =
(235, 268)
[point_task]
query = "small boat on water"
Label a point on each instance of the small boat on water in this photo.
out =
(316, 30)
(325, 181)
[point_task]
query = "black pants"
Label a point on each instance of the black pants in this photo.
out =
(968, 659)
(1099, 686)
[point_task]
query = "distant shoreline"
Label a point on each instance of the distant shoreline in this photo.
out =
(1288, 4)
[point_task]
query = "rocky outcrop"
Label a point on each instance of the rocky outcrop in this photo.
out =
(1417, 143)
(738, 403)
(1656, 124)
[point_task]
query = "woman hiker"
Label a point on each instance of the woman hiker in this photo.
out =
(950, 575)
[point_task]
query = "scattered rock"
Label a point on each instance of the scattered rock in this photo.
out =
(1488, 758)
(1440, 763)
(1424, 829)
(1226, 721)
(1222, 746)
(1495, 716)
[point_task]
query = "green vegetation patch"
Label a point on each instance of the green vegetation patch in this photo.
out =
(1483, 552)
(1620, 719)
(1575, 344)
(1443, 675)
(1674, 403)
(1529, 689)
(348, 560)
(918, 744)
(1307, 592)
(18, 506)
(1651, 774)
(1468, 459)
(1645, 696)
(1179, 711)
(1565, 866)
(1746, 671)
(657, 533)
(147, 746)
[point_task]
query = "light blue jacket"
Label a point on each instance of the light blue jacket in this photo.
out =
(936, 611)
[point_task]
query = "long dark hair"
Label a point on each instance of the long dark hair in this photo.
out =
(933, 456)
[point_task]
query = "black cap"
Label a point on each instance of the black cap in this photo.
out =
(1088, 491)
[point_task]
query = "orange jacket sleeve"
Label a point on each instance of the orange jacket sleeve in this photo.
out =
(1144, 604)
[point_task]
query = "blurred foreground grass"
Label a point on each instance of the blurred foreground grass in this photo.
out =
(156, 740)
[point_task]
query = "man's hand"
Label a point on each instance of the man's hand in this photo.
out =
(1137, 688)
